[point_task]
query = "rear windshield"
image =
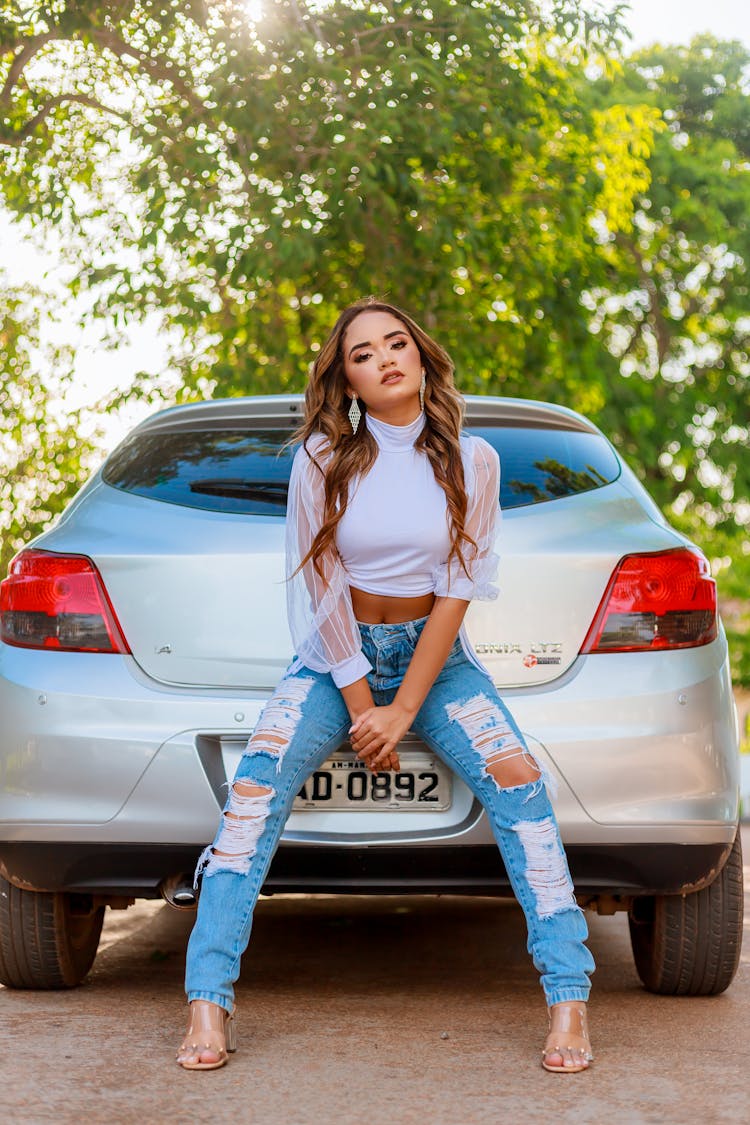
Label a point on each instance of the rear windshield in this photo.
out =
(245, 471)
(539, 464)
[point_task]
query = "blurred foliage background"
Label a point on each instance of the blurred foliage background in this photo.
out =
(570, 221)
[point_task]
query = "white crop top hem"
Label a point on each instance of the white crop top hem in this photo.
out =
(393, 549)
(415, 591)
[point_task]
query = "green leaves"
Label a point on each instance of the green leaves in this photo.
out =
(576, 238)
(45, 455)
(674, 310)
(416, 151)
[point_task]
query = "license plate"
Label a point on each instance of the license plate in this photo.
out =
(344, 783)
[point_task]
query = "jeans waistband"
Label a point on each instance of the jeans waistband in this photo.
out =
(380, 634)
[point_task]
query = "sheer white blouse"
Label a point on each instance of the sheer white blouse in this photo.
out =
(394, 539)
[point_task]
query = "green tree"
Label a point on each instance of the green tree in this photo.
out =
(675, 309)
(43, 451)
(248, 181)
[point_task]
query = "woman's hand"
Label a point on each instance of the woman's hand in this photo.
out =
(376, 733)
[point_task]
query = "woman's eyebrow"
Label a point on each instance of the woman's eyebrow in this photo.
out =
(388, 335)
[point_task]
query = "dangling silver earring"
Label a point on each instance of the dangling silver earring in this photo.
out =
(354, 414)
(422, 386)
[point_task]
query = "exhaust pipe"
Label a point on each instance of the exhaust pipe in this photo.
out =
(178, 892)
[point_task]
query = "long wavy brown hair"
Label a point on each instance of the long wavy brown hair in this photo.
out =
(348, 454)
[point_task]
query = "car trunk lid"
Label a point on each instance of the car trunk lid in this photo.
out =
(201, 600)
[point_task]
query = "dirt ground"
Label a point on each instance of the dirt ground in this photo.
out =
(378, 1011)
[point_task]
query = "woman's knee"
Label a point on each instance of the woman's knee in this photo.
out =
(243, 821)
(502, 753)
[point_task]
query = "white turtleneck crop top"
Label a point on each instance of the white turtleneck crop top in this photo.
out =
(395, 530)
(393, 539)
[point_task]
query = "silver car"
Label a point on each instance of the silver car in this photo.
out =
(142, 634)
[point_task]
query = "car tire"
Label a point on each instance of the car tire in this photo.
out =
(689, 945)
(46, 940)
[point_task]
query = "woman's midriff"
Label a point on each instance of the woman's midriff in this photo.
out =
(379, 609)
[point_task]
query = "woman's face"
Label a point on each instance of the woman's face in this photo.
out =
(383, 366)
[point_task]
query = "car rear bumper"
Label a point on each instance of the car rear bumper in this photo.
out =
(95, 759)
(137, 871)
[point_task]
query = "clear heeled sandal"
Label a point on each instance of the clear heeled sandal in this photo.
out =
(211, 1031)
(568, 1039)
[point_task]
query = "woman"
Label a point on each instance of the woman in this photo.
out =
(377, 595)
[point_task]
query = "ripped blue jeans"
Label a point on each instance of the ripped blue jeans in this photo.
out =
(465, 722)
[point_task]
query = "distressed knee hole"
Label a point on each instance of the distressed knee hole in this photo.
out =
(506, 760)
(279, 719)
(509, 768)
(546, 867)
(266, 740)
(243, 822)
(244, 788)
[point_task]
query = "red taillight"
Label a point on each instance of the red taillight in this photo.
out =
(57, 601)
(661, 601)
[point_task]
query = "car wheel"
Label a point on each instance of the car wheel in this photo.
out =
(689, 945)
(46, 940)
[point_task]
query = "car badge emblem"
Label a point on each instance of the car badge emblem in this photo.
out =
(541, 652)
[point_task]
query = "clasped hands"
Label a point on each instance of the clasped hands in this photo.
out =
(376, 733)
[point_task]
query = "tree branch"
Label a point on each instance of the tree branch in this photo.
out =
(160, 70)
(30, 48)
(313, 23)
(16, 138)
(654, 315)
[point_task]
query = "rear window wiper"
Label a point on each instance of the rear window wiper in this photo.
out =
(272, 492)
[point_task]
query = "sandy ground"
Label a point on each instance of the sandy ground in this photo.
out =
(369, 1010)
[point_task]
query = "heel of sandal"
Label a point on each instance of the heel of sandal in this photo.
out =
(230, 1029)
